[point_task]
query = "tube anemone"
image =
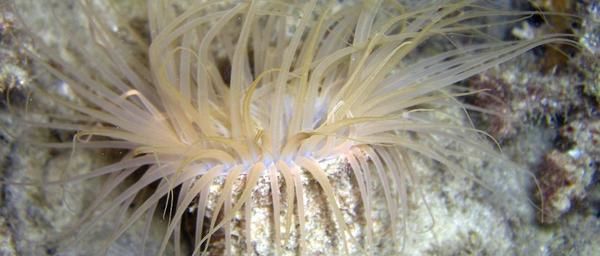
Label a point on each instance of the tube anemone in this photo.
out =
(236, 93)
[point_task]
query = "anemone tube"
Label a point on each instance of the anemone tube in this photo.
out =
(309, 84)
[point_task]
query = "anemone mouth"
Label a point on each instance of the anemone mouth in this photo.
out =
(308, 86)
